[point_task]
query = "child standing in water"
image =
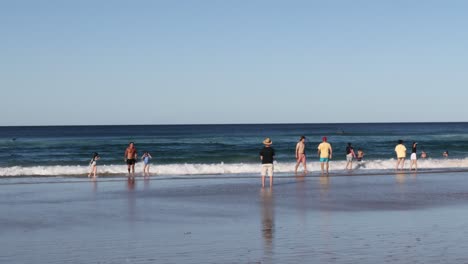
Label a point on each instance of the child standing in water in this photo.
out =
(360, 154)
(350, 155)
(146, 159)
(93, 165)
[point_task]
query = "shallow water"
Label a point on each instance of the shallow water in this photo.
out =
(392, 218)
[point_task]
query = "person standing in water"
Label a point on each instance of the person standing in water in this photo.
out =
(130, 157)
(400, 151)
(350, 155)
(267, 155)
(414, 157)
(146, 159)
(325, 152)
(301, 154)
(423, 154)
(360, 155)
(93, 165)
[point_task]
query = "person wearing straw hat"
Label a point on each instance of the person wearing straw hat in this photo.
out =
(267, 155)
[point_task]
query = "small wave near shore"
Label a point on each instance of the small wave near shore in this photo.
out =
(367, 166)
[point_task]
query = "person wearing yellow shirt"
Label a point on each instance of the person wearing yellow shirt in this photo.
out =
(325, 153)
(400, 151)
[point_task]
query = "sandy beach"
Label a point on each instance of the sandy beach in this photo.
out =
(399, 218)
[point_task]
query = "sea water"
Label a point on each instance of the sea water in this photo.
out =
(222, 149)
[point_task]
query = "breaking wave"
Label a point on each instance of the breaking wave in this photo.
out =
(222, 168)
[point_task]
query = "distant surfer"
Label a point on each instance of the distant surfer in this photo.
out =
(325, 152)
(130, 157)
(93, 165)
(414, 157)
(400, 151)
(267, 155)
(350, 155)
(301, 154)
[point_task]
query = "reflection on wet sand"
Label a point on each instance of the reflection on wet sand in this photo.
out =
(325, 216)
(301, 196)
(400, 178)
(324, 181)
(94, 182)
(131, 183)
(131, 199)
(300, 177)
(146, 182)
(268, 222)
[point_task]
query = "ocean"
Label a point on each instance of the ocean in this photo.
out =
(205, 203)
(220, 150)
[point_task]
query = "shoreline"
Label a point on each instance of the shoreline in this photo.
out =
(340, 173)
(397, 218)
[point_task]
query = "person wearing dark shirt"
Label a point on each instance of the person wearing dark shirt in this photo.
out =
(414, 157)
(267, 155)
(350, 155)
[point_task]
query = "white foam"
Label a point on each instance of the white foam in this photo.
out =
(221, 168)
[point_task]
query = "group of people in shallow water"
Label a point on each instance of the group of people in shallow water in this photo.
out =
(325, 152)
(267, 157)
(130, 158)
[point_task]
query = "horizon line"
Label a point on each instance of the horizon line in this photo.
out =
(231, 124)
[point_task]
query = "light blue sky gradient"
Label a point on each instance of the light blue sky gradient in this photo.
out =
(177, 62)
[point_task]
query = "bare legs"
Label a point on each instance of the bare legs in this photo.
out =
(323, 166)
(400, 163)
(303, 163)
(263, 181)
(131, 167)
(267, 169)
(414, 163)
(93, 171)
(146, 170)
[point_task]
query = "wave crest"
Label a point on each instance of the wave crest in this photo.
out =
(222, 168)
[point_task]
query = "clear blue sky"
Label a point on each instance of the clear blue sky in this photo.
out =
(176, 62)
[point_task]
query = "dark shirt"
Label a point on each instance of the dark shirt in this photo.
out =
(348, 150)
(413, 150)
(268, 153)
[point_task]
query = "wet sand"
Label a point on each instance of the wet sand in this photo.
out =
(393, 218)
